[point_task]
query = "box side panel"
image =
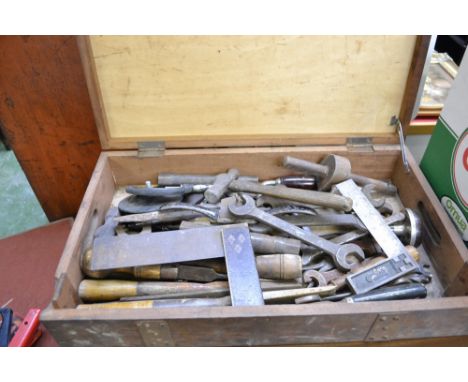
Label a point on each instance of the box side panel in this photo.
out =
(440, 238)
(262, 326)
(95, 203)
(266, 163)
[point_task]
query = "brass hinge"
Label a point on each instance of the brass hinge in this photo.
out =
(151, 149)
(363, 144)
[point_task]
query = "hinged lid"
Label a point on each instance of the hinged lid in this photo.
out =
(207, 91)
(151, 148)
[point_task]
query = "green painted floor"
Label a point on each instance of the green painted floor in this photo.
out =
(19, 208)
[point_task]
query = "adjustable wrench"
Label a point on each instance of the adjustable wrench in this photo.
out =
(339, 252)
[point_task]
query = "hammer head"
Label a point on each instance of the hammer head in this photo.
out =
(339, 169)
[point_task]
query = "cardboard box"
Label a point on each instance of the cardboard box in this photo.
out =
(445, 161)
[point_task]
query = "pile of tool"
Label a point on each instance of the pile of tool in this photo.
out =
(226, 239)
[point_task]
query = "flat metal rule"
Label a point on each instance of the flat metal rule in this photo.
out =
(399, 262)
(111, 252)
(244, 283)
(372, 219)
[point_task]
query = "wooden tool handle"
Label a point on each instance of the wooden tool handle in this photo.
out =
(305, 166)
(324, 199)
(109, 290)
(279, 266)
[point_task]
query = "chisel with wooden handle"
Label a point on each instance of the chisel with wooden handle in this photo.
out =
(283, 296)
(274, 266)
(110, 290)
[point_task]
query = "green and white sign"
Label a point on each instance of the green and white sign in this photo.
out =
(445, 162)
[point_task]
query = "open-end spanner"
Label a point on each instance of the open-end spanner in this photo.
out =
(339, 252)
(351, 236)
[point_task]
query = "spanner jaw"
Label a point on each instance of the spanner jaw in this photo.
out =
(341, 256)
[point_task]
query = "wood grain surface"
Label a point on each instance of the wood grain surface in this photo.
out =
(46, 116)
(203, 89)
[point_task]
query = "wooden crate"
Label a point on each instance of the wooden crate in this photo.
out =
(269, 97)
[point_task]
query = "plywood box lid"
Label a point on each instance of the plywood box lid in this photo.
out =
(208, 91)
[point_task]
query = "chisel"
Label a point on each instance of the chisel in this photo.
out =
(274, 266)
(283, 296)
(109, 290)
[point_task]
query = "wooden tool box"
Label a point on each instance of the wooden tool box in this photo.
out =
(205, 104)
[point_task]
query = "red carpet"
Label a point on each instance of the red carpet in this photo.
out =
(27, 266)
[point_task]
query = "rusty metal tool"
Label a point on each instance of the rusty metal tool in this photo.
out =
(340, 280)
(148, 199)
(339, 252)
(220, 290)
(230, 241)
(126, 290)
(165, 194)
(126, 251)
(261, 243)
(304, 182)
(382, 273)
(163, 303)
(325, 218)
(272, 297)
(110, 290)
(199, 274)
(274, 202)
(318, 198)
(220, 214)
(157, 217)
(170, 179)
(346, 238)
(222, 181)
(313, 278)
(322, 170)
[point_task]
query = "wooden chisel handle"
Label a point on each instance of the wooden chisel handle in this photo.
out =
(272, 297)
(110, 290)
(324, 199)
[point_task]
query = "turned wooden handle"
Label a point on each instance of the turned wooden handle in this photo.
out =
(279, 266)
(324, 199)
